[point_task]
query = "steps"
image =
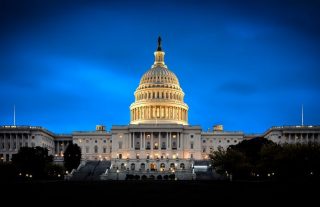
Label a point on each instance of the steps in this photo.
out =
(91, 171)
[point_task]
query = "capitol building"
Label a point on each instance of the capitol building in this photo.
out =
(158, 141)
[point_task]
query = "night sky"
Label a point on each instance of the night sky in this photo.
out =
(249, 65)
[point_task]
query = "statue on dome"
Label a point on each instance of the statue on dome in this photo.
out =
(159, 44)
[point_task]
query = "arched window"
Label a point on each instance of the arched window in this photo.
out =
(182, 166)
(96, 149)
(143, 166)
(162, 166)
(172, 166)
(133, 166)
(122, 167)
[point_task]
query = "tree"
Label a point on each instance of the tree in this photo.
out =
(72, 157)
(231, 161)
(8, 172)
(32, 161)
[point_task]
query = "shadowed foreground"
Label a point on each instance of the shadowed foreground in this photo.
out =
(160, 193)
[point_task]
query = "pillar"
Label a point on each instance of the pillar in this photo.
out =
(140, 140)
(152, 143)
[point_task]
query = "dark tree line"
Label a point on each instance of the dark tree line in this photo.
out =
(36, 163)
(262, 159)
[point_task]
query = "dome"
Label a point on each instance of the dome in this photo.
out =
(159, 75)
(159, 97)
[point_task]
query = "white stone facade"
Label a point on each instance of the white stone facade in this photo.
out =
(95, 145)
(14, 137)
(293, 134)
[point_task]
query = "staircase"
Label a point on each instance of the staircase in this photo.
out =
(91, 171)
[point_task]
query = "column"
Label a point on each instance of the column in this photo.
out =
(134, 141)
(5, 143)
(167, 143)
(313, 137)
(152, 143)
(11, 142)
(144, 140)
(140, 140)
(179, 140)
(17, 142)
(169, 139)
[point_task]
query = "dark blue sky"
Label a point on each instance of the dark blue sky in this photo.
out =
(69, 65)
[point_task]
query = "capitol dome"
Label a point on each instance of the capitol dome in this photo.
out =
(159, 97)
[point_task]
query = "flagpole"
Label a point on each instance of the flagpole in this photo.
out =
(14, 115)
(302, 115)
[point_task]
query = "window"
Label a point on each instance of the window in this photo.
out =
(155, 146)
(122, 166)
(228, 141)
(191, 145)
(182, 166)
(96, 149)
(191, 136)
(172, 166)
(191, 156)
(174, 145)
(104, 150)
(133, 166)
(87, 149)
(204, 141)
(148, 146)
(95, 141)
(163, 145)
(162, 166)
(120, 145)
(143, 166)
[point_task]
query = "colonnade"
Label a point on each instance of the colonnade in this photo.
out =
(148, 140)
(159, 112)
